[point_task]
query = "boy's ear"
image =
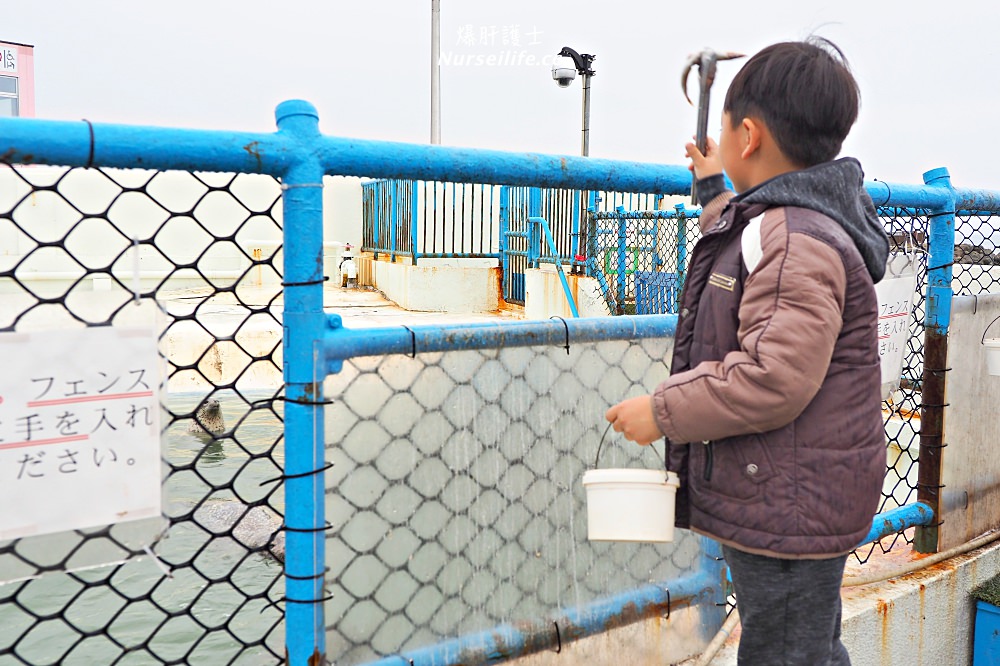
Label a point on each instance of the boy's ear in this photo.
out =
(751, 133)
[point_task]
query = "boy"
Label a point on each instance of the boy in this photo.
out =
(772, 409)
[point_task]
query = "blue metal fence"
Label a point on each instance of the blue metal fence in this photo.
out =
(315, 343)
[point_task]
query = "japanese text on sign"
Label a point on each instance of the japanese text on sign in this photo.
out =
(79, 429)
(895, 302)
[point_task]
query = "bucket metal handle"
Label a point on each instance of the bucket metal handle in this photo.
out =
(983, 340)
(601, 443)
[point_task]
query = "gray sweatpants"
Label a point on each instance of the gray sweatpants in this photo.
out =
(790, 610)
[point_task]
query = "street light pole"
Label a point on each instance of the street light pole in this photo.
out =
(435, 71)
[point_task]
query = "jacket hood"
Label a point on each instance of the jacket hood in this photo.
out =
(835, 189)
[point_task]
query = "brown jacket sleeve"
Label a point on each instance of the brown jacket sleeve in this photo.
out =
(711, 211)
(790, 317)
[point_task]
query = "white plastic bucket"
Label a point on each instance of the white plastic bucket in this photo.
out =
(630, 504)
(992, 355)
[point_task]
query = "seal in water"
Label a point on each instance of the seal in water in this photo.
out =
(257, 528)
(208, 419)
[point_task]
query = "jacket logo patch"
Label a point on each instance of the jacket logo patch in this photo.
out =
(722, 281)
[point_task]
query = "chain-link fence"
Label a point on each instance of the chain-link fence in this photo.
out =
(641, 257)
(456, 491)
(196, 259)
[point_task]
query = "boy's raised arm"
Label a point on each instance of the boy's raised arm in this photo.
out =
(707, 169)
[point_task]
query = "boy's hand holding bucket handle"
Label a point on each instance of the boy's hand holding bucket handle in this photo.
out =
(634, 419)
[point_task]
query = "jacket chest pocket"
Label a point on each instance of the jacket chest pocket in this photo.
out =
(735, 468)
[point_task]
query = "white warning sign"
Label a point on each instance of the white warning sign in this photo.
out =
(79, 429)
(896, 293)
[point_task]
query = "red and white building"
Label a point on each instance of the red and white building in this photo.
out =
(17, 80)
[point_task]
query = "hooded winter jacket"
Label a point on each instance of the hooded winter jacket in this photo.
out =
(773, 408)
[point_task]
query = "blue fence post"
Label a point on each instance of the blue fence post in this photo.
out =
(937, 317)
(534, 236)
(376, 193)
(622, 259)
(414, 219)
(681, 244)
(395, 199)
(303, 329)
(502, 240)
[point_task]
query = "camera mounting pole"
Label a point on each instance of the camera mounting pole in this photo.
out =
(583, 62)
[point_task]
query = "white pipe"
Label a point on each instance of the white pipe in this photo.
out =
(916, 565)
(730, 624)
(720, 639)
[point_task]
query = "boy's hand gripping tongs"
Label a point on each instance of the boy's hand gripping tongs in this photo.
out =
(706, 61)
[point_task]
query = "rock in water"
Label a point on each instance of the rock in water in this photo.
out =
(256, 528)
(208, 419)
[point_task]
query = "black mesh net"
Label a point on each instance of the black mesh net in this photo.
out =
(196, 259)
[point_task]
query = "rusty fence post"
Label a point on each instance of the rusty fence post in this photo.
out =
(937, 316)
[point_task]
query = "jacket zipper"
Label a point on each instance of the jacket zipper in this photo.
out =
(707, 475)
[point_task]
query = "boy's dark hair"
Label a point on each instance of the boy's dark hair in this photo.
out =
(803, 92)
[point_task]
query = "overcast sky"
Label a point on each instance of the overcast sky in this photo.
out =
(927, 71)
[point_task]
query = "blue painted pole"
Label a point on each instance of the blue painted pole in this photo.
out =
(528, 637)
(303, 324)
(622, 261)
(340, 343)
(416, 220)
(937, 317)
(541, 222)
(682, 245)
(379, 216)
(68, 143)
(534, 240)
(898, 519)
(502, 240)
(395, 204)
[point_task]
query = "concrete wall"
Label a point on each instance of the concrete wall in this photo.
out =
(545, 297)
(440, 285)
(970, 500)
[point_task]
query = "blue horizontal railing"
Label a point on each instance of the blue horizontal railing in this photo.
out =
(507, 641)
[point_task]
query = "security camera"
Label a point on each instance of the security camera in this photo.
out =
(563, 75)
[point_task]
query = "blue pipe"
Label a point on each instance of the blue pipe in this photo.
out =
(68, 143)
(898, 519)
(528, 637)
(541, 222)
(341, 343)
(303, 321)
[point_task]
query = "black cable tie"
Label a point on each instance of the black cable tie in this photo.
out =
(668, 602)
(935, 268)
(305, 284)
(306, 530)
(565, 326)
(925, 404)
(405, 659)
(413, 342)
(888, 189)
(282, 398)
(313, 577)
(90, 155)
(285, 477)
(937, 369)
(305, 601)
(941, 214)
(558, 638)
